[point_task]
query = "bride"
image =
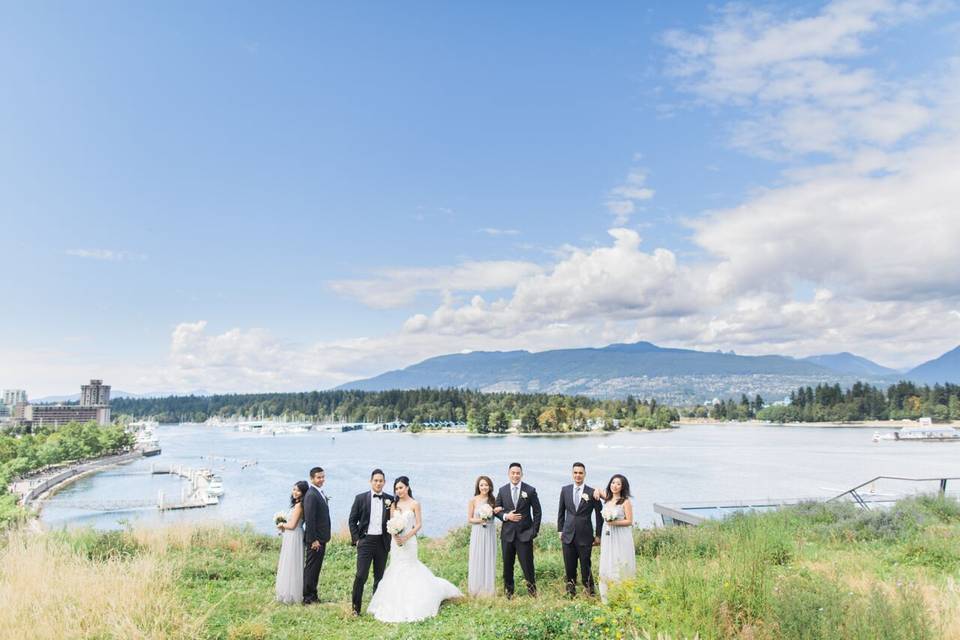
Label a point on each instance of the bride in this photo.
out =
(408, 591)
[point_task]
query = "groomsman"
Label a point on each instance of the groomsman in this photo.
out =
(316, 533)
(521, 524)
(578, 508)
(368, 531)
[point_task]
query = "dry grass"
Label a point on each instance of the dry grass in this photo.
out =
(51, 591)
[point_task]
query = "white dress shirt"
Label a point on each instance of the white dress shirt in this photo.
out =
(376, 515)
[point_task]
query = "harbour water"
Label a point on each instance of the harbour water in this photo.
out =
(693, 463)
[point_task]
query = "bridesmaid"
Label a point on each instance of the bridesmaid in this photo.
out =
(617, 554)
(290, 567)
(483, 540)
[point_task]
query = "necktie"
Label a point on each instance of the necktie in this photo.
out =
(576, 497)
(516, 494)
(378, 496)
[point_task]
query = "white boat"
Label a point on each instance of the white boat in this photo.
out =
(215, 488)
(928, 433)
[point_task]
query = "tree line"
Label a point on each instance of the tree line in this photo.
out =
(482, 412)
(861, 401)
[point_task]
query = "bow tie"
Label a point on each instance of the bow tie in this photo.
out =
(378, 496)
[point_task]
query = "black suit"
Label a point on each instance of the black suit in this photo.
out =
(316, 528)
(371, 549)
(516, 538)
(575, 524)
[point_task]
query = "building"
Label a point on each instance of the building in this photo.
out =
(94, 406)
(13, 397)
(95, 394)
(54, 415)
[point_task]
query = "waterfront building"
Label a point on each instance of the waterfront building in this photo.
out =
(13, 397)
(94, 406)
(95, 394)
(54, 415)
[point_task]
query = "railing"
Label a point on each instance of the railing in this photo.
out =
(855, 494)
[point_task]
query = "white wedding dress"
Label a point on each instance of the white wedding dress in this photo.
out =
(409, 591)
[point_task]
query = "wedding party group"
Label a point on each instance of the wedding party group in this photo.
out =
(384, 525)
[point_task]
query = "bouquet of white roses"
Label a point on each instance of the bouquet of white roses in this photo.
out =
(279, 518)
(609, 514)
(396, 525)
(485, 513)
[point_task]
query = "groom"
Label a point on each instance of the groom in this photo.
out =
(368, 531)
(578, 508)
(316, 533)
(521, 524)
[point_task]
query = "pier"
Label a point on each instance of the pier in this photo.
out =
(196, 497)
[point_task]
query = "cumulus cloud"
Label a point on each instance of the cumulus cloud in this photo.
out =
(400, 286)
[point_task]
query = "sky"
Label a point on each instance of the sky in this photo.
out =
(231, 197)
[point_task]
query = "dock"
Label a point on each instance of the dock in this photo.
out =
(196, 497)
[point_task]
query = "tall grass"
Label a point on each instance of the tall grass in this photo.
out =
(51, 591)
(814, 572)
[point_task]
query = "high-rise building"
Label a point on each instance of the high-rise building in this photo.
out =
(94, 406)
(95, 394)
(13, 397)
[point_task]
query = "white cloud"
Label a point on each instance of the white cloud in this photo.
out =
(400, 286)
(798, 77)
(109, 255)
(493, 231)
(623, 199)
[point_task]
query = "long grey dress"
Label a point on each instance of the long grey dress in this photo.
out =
(483, 559)
(618, 559)
(290, 567)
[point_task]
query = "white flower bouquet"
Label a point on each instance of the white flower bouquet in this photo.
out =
(485, 513)
(609, 514)
(279, 518)
(396, 525)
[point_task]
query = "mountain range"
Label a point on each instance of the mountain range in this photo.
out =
(647, 370)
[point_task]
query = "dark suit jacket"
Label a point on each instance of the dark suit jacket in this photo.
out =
(529, 527)
(360, 516)
(576, 525)
(316, 518)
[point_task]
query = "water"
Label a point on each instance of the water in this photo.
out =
(689, 464)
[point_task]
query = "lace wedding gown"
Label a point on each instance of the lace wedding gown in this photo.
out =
(409, 591)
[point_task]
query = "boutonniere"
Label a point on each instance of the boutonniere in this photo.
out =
(585, 496)
(387, 502)
(523, 494)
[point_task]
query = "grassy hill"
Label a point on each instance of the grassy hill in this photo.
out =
(805, 573)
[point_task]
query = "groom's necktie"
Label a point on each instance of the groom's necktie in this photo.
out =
(516, 494)
(576, 497)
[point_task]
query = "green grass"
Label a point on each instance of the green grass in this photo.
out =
(810, 572)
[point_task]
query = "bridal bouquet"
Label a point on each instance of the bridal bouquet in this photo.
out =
(485, 513)
(610, 513)
(279, 518)
(396, 525)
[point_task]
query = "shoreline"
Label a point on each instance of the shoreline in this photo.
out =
(34, 498)
(859, 424)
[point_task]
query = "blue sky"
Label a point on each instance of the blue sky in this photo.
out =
(242, 198)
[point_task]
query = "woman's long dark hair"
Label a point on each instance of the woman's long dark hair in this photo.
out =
(303, 487)
(476, 489)
(405, 481)
(624, 488)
